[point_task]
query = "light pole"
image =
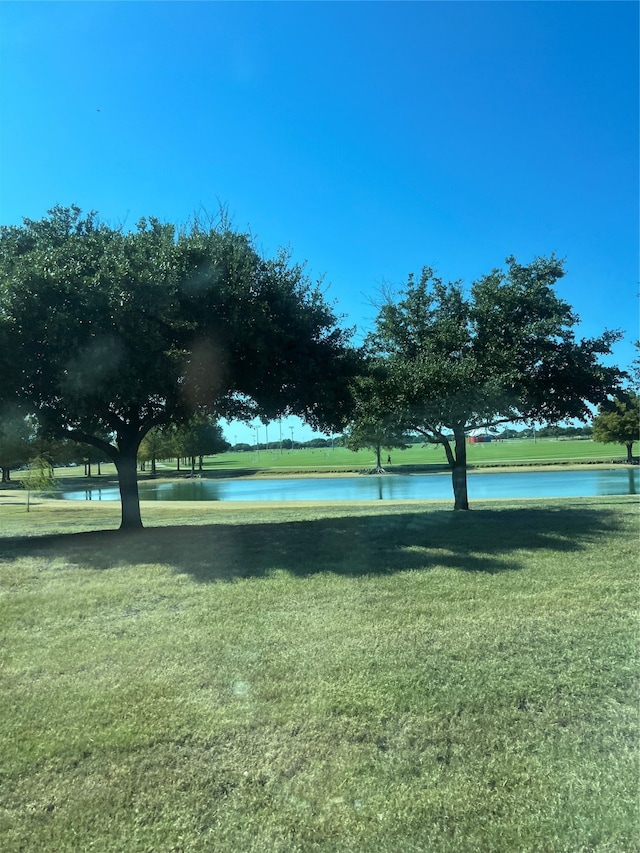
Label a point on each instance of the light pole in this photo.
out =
(257, 441)
(291, 430)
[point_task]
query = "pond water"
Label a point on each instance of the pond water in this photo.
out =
(525, 484)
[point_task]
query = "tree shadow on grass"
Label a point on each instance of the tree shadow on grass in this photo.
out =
(351, 545)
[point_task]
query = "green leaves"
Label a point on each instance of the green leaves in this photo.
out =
(39, 477)
(161, 322)
(618, 421)
(121, 331)
(503, 351)
(377, 417)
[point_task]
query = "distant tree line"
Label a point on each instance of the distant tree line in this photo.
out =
(289, 444)
(553, 431)
(188, 443)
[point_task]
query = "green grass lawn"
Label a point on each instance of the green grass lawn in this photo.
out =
(519, 452)
(392, 679)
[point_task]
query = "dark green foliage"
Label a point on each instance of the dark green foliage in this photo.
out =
(200, 436)
(119, 332)
(15, 436)
(505, 352)
(373, 424)
(618, 422)
(157, 444)
(635, 368)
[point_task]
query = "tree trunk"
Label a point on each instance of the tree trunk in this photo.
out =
(632, 483)
(629, 447)
(378, 460)
(459, 471)
(124, 454)
(126, 464)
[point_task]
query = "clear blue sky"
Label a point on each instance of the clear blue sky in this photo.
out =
(372, 138)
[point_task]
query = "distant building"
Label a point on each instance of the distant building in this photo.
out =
(479, 436)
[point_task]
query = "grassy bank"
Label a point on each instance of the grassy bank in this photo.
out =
(302, 678)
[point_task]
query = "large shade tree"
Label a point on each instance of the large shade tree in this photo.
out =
(115, 332)
(506, 351)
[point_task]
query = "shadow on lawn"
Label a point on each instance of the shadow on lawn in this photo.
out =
(351, 545)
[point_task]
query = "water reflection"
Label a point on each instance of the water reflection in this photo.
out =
(95, 494)
(526, 484)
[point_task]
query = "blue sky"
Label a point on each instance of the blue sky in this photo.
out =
(372, 138)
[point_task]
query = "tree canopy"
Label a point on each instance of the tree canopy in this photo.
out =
(504, 352)
(120, 331)
(200, 436)
(373, 424)
(618, 422)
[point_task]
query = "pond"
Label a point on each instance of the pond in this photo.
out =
(525, 484)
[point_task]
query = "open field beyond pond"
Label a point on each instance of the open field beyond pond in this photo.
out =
(512, 452)
(301, 678)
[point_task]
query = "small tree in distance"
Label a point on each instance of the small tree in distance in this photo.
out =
(373, 425)
(38, 478)
(153, 446)
(199, 437)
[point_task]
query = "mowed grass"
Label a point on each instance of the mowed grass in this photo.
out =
(327, 678)
(513, 452)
